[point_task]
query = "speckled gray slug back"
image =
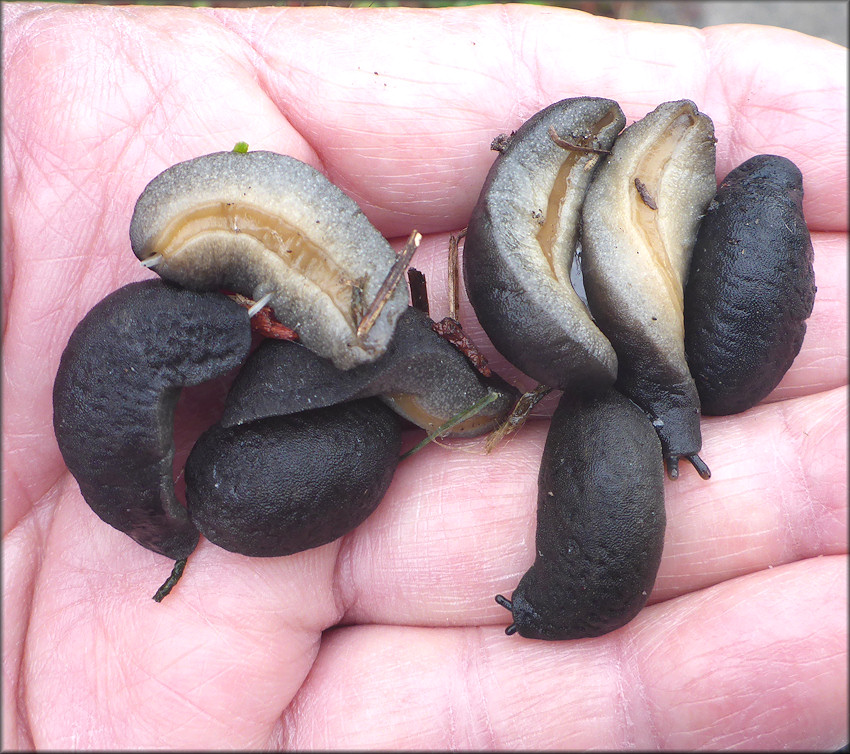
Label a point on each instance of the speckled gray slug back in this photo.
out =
(521, 241)
(639, 224)
(261, 223)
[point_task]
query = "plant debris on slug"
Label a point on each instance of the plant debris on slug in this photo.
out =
(282, 485)
(521, 240)
(639, 223)
(114, 396)
(600, 522)
(274, 229)
(752, 286)
(421, 376)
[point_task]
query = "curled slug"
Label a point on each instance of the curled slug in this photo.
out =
(752, 286)
(286, 484)
(639, 224)
(276, 230)
(521, 241)
(421, 376)
(600, 522)
(114, 396)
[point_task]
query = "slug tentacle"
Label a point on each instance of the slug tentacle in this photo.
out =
(267, 225)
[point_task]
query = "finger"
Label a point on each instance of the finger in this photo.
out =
(722, 668)
(457, 527)
(405, 127)
(216, 661)
(820, 365)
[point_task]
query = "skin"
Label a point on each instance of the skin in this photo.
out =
(744, 642)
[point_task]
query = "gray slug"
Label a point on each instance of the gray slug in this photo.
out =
(118, 382)
(276, 230)
(752, 286)
(639, 224)
(282, 485)
(421, 376)
(600, 522)
(521, 240)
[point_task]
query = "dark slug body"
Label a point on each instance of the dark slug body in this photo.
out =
(114, 396)
(752, 286)
(600, 522)
(521, 240)
(420, 371)
(282, 485)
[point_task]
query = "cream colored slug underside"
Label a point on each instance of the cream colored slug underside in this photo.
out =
(272, 236)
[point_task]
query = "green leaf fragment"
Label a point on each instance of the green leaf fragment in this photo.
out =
(462, 416)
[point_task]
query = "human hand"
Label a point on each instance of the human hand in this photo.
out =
(390, 637)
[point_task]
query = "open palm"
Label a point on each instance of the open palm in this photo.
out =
(390, 637)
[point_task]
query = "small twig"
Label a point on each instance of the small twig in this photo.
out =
(385, 292)
(418, 290)
(521, 411)
(450, 330)
(643, 191)
(357, 304)
(564, 144)
(263, 320)
(453, 273)
(500, 143)
(462, 416)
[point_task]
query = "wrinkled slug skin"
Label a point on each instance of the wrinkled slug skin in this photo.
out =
(520, 244)
(752, 286)
(279, 486)
(421, 375)
(259, 223)
(114, 396)
(600, 521)
(635, 261)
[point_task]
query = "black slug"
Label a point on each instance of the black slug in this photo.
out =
(274, 229)
(600, 522)
(421, 376)
(752, 286)
(114, 396)
(282, 485)
(639, 224)
(521, 241)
